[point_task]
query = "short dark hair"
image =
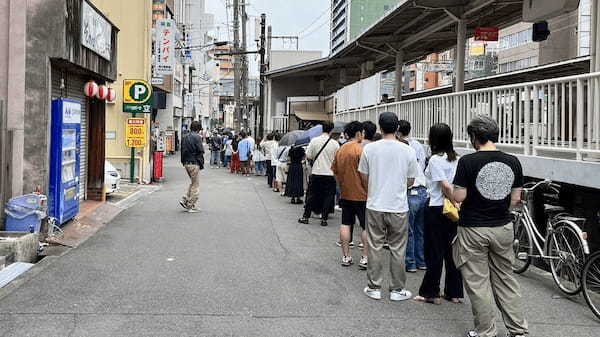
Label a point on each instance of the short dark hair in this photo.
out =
(370, 130)
(196, 126)
(352, 128)
(404, 127)
(377, 136)
(483, 129)
(270, 136)
(388, 122)
(440, 141)
(327, 126)
(277, 136)
(243, 134)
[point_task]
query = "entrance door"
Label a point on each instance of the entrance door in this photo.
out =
(96, 150)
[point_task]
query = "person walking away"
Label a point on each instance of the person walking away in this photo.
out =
(294, 187)
(268, 147)
(192, 158)
(215, 150)
(387, 168)
(282, 154)
(353, 194)
(417, 203)
(228, 151)
(440, 230)
(487, 183)
(258, 157)
(245, 152)
(235, 157)
(320, 197)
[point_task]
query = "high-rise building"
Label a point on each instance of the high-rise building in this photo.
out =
(339, 25)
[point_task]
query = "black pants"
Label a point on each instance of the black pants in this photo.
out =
(320, 196)
(439, 232)
(269, 174)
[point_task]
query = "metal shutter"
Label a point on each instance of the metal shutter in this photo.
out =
(74, 90)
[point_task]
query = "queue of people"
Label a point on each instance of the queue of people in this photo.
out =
(406, 199)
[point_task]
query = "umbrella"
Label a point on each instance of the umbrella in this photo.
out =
(289, 138)
(308, 135)
(338, 127)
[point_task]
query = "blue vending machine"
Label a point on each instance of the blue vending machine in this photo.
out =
(63, 199)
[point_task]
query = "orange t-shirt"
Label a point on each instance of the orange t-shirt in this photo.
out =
(345, 168)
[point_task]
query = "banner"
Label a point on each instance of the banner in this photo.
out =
(164, 47)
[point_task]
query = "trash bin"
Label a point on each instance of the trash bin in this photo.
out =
(25, 213)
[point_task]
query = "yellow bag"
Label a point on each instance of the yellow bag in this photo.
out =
(450, 211)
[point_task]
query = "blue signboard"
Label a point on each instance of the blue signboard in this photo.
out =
(65, 144)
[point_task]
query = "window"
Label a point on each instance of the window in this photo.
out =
(518, 65)
(516, 39)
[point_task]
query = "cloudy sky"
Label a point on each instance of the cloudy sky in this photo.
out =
(308, 19)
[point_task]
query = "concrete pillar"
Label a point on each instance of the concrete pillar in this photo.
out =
(398, 76)
(363, 71)
(461, 44)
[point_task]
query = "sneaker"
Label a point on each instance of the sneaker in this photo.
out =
(303, 220)
(193, 210)
(339, 244)
(347, 261)
(401, 295)
(386, 246)
(324, 223)
(472, 333)
(338, 208)
(422, 268)
(362, 264)
(361, 246)
(183, 205)
(372, 293)
(411, 270)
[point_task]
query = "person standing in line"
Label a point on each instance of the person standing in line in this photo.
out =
(215, 150)
(235, 157)
(387, 168)
(417, 203)
(488, 183)
(268, 146)
(258, 157)
(294, 188)
(245, 153)
(192, 158)
(274, 161)
(439, 230)
(228, 151)
(281, 154)
(354, 196)
(320, 197)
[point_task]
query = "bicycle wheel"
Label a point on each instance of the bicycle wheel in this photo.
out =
(590, 281)
(522, 248)
(566, 248)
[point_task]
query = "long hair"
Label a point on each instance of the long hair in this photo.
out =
(440, 141)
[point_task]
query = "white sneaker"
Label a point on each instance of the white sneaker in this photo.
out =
(372, 293)
(347, 261)
(401, 295)
(363, 263)
(193, 210)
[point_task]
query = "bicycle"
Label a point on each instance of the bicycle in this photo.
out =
(590, 280)
(564, 246)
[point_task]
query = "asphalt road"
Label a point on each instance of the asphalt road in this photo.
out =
(241, 267)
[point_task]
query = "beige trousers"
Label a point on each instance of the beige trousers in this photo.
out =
(191, 197)
(484, 255)
(393, 228)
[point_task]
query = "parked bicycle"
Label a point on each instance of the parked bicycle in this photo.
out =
(564, 246)
(590, 280)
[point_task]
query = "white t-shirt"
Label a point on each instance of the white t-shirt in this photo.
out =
(439, 169)
(421, 159)
(322, 166)
(388, 163)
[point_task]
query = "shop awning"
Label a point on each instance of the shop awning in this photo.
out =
(313, 116)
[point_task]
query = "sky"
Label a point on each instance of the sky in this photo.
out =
(308, 19)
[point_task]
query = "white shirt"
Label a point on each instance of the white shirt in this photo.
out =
(322, 166)
(439, 169)
(389, 164)
(420, 180)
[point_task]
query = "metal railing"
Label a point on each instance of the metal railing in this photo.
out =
(280, 124)
(560, 115)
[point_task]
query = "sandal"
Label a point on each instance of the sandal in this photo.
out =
(435, 300)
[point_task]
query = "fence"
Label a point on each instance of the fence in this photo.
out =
(558, 117)
(280, 124)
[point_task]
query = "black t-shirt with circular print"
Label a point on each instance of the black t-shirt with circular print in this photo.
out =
(489, 177)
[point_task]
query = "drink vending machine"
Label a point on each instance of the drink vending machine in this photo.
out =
(65, 145)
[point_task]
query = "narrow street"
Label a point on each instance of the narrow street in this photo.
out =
(241, 267)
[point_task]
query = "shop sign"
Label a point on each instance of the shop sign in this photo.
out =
(158, 80)
(487, 33)
(137, 96)
(164, 47)
(95, 31)
(135, 132)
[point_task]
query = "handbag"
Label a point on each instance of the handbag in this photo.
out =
(311, 162)
(450, 211)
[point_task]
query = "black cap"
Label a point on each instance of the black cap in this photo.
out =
(388, 122)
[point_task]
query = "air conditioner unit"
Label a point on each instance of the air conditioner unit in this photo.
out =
(539, 10)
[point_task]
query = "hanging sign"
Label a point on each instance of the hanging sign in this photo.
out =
(164, 47)
(95, 31)
(486, 33)
(137, 96)
(135, 132)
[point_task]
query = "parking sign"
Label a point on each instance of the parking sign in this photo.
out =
(137, 96)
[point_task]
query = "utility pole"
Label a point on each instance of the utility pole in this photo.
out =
(236, 63)
(244, 77)
(262, 69)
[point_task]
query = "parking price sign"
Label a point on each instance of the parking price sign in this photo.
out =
(137, 96)
(135, 133)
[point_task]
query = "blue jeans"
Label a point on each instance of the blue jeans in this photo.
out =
(259, 166)
(415, 251)
(215, 158)
(227, 161)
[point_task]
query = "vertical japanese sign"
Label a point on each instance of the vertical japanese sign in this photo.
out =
(164, 47)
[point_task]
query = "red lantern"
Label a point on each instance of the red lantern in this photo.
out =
(90, 89)
(102, 92)
(112, 95)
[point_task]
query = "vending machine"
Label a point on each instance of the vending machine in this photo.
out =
(63, 198)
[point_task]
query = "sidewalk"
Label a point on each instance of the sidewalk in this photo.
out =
(241, 267)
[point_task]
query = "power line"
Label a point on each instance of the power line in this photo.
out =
(315, 21)
(314, 30)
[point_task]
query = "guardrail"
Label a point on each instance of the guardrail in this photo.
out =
(280, 123)
(560, 115)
